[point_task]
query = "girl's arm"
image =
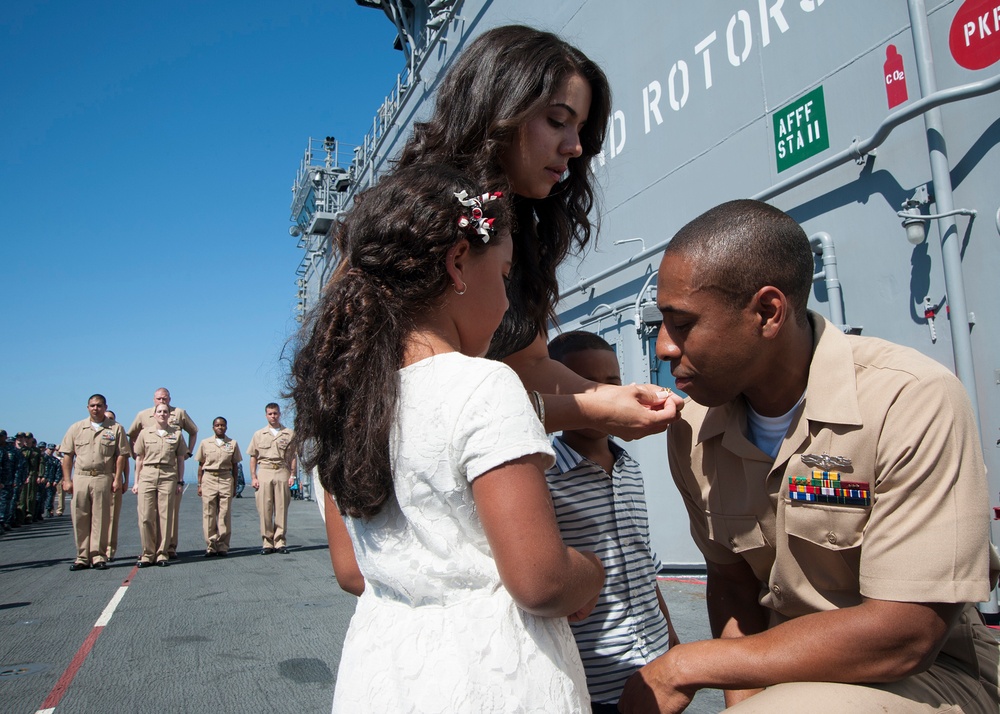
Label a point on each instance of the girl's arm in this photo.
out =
(541, 573)
(572, 402)
(345, 565)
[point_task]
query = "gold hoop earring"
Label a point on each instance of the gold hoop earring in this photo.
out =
(462, 291)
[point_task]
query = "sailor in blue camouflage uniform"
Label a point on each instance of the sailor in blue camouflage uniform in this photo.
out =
(38, 481)
(33, 456)
(51, 472)
(7, 470)
(15, 516)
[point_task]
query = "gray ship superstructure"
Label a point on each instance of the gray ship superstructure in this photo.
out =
(874, 124)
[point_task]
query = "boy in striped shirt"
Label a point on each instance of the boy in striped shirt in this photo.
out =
(600, 505)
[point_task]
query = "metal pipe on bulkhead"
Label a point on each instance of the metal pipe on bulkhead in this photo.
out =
(822, 245)
(951, 255)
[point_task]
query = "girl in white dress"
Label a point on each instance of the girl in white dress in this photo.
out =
(437, 458)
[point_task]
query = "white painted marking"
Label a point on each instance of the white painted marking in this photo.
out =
(110, 609)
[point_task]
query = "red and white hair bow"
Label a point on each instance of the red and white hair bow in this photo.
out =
(483, 226)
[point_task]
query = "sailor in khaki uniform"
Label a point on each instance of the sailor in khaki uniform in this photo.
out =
(116, 504)
(217, 459)
(95, 450)
(159, 466)
(179, 419)
(272, 472)
(835, 485)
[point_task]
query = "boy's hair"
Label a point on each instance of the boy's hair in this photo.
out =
(393, 247)
(576, 341)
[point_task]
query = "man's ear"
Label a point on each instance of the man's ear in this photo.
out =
(455, 264)
(771, 308)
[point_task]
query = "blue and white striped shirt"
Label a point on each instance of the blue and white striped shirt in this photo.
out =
(607, 515)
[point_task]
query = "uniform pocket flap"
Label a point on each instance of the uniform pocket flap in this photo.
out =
(831, 527)
(737, 533)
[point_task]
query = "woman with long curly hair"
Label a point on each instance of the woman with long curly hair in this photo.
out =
(527, 111)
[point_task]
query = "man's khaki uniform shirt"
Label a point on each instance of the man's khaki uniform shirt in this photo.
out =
(95, 450)
(271, 448)
(907, 426)
(214, 457)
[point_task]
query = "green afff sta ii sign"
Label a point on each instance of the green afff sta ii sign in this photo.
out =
(800, 130)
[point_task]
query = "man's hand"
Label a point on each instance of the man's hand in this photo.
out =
(254, 483)
(67, 486)
(651, 690)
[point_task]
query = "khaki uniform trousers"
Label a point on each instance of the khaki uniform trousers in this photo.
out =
(272, 499)
(91, 513)
(157, 489)
(942, 688)
(216, 517)
(172, 540)
(116, 513)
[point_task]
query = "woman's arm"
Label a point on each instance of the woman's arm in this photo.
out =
(572, 402)
(345, 565)
(138, 470)
(540, 572)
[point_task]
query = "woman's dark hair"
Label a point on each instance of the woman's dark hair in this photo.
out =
(500, 81)
(393, 246)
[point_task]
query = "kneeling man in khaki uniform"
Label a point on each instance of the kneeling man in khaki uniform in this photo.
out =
(835, 485)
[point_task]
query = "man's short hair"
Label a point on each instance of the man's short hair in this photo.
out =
(741, 246)
(272, 405)
(97, 396)
(576, 341)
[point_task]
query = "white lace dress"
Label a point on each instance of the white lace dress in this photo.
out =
(435, 630)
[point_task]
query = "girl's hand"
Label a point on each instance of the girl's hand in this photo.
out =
(589, 606)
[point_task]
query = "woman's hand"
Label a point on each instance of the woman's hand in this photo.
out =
(631, 411)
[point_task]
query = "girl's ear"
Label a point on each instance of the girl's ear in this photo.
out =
(455, 263)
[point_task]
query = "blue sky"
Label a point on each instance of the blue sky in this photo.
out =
(147, 152)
